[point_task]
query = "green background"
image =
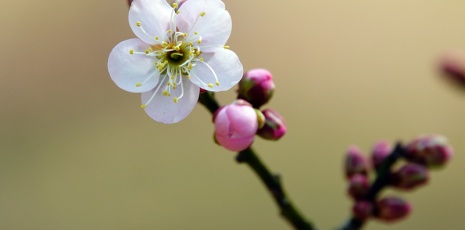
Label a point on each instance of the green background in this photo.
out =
(76, 152)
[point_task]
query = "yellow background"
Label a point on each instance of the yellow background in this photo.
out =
(76, 152)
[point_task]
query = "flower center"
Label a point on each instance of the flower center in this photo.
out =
(175, 57)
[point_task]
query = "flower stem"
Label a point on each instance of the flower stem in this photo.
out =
(272, 182)
(274, 186)
(381, 181)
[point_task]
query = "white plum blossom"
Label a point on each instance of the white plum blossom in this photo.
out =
(177, 52)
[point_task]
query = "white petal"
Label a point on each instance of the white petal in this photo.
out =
(226, 66)
(214, 28)
(154, 16)
(164, 109)
(126, 69)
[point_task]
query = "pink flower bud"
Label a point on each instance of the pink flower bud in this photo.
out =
(362, 209)
(410, 176)
(274, 127)
(452, 64)
(380, 151)
(355, 162)
(359, 185)
(392, 209)
(236, 125)
(256, 87)
(432, 151)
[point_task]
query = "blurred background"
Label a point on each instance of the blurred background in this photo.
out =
(76, 152)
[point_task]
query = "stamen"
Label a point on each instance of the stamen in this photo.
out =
(154, 93)
(214, 74)
(139, 84)
(131, 51)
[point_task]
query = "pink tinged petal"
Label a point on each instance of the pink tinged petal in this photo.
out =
(214, 27)
(224, 64)
(127, 70)
(237, 144)
(154, 17)
(164, 109)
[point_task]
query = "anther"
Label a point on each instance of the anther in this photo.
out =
(175, 5)
(196, 33)
(175, 100)
(226, 47)
(138, 23)
(143, 106)
(138, 84)
(201, 59)
(131, 51)
(217, 83)
(210, 85)
(156, 38)
(202, 14)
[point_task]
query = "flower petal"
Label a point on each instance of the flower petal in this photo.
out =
(126, 69)
(224, 63)
(154, 17)
(214, 27)
(164, 109)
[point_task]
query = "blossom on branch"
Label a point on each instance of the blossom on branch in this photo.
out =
(177, 53)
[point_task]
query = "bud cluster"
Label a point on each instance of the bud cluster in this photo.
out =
(419, 155)
(237, 124)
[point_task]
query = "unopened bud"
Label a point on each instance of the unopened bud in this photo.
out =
(355, 162)
(362, 209)
(256, 87)
(380, 151)
(236, 125)
(359, 185)
(432, 151)
(274, 127)
(410, 176)
(392, 209)
(452, 65)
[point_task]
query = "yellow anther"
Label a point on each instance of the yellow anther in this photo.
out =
(165, 93)
(188, 76)
(210, 85)
(197, 53)
(169, 31)
(202, 14)
(226, 47)
(172, 77)
(138, 84)
(201, 59)
(178, 12)
(174, 86)
(176, 48)
(175, 100)
(190, 43)
(143, 106)
(184, 34)
(147, 51)
(131, 51)
(199, 41)
(175, 5)
(156, 38)
(217, 83)
(138, 23)
(196, 33)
